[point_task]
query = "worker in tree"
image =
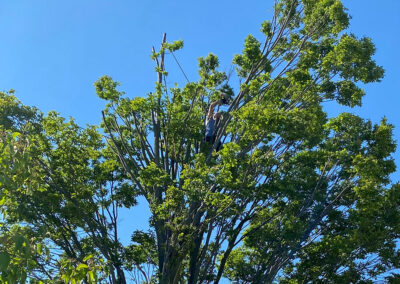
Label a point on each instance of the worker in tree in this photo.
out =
(212, 120)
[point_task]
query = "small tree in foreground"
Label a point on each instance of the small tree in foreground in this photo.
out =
(291, 196)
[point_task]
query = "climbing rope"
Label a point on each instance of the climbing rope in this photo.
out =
(180, 67)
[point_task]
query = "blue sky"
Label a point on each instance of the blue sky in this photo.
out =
(52, 52)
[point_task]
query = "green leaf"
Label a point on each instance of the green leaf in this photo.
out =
(81, 266)
(4, 261)
(39, 248)
(89, 256)
(91, 276)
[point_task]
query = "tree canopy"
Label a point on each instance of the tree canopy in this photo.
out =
(292, 196)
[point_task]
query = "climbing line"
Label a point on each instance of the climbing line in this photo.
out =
(176, 60)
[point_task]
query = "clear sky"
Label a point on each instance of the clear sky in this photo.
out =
(51, 52)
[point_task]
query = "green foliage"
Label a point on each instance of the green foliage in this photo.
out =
(351, 58)
(176, 45)
(210, 77)
(56, 186)
(292, 196)
(251, 57)
(14, 116)
(143, 250)
(17, 254)
(106, 89)
(328, 16)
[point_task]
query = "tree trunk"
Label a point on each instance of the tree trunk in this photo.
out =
(193, 268)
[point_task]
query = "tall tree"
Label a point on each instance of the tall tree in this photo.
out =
(61, 187)
(292, 195)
